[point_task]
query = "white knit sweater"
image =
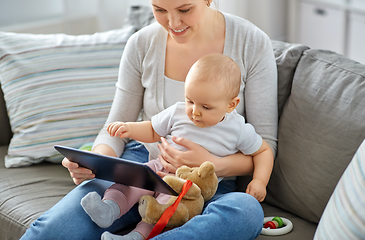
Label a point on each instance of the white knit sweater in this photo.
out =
(140, 86)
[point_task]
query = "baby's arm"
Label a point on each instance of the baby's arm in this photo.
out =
(140, 131)
(263, 161)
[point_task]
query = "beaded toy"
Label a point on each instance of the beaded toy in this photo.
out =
(276, 226)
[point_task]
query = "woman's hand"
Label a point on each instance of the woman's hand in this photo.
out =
(233, 165)
(80, 174)
(172, 159)
(77, 173)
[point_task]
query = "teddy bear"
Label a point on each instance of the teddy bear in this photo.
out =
(205, 184)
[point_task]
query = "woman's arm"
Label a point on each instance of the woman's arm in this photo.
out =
(260, 94)
(233, 165)
(126, 106)
(128, 99)
(237, 164)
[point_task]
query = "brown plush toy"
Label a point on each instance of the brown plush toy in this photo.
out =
(204, 186)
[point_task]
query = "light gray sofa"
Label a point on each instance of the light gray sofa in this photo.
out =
(321, 105)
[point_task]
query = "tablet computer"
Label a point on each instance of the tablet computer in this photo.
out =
(117, 170)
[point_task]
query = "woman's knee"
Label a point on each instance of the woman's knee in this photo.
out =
(238, 208)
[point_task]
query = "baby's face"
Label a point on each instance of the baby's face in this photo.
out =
(205, 103)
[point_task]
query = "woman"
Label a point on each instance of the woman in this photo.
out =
(151, 77)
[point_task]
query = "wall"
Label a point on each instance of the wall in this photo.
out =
(44, 16)
(335, 25)
(268, 15)
(88, 16)
(111, 13)
(16, 11)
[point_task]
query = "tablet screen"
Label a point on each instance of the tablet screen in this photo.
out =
(117, 170)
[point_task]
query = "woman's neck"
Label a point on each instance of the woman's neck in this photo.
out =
(180, 57)
(213, 31)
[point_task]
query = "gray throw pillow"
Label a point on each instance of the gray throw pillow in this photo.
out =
(321, 127)
(287, 56)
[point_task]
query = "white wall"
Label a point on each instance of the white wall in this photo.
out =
(49, 16)
(16, 11)
(236, 7)
(112, 13)
(88, 16)
(268, 15)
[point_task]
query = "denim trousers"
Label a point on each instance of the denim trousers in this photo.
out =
(228, 215)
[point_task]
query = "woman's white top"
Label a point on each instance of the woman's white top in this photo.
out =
(174, 92)
(141, 86)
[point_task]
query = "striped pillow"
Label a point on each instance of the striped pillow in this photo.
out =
(344, 215)
(58, 89)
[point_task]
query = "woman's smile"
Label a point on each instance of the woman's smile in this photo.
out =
(178, 32)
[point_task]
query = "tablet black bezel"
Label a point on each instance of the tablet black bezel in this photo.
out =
(117, 170)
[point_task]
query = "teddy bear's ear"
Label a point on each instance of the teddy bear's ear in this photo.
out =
(206, 169)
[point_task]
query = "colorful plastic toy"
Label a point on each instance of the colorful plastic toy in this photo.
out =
(276, 226)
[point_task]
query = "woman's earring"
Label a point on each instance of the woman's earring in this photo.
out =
(208, 3)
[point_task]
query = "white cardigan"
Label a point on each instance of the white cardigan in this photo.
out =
(140, 86)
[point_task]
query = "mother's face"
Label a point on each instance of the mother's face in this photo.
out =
(182, 19)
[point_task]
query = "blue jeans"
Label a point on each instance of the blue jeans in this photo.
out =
(228, 215)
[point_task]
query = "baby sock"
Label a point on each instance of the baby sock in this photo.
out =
(103, 213)
(130, 236)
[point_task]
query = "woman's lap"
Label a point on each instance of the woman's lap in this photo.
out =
(233, 215)
(227, 214)
(68, 220)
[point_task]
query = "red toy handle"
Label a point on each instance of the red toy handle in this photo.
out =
(162, 222)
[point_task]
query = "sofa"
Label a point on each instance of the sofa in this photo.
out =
(321, 121)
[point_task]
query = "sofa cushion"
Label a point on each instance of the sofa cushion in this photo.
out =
(26, 193)
(344, 215)
(287, 56)
(320, 129)
(302, 230)
(58, 89)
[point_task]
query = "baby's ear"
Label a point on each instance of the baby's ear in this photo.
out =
(233, 104)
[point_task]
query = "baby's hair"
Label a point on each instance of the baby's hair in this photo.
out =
(219, 69)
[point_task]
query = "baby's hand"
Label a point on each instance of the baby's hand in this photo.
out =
(257, 189)
(119, 129)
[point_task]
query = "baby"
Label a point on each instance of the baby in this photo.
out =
(207, 117)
